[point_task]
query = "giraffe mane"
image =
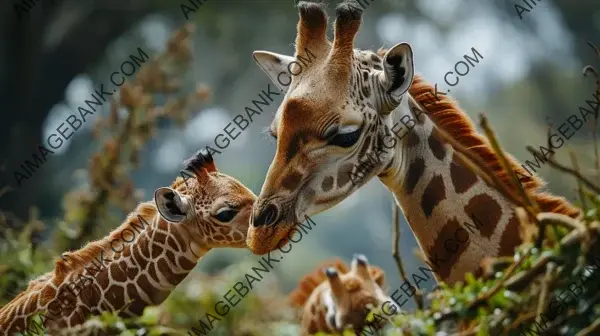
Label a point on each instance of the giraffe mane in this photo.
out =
(309, 282)
(447, 115)
(84, 256)
(80, 258)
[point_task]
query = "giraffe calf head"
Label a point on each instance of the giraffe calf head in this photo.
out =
(333, 116)
(344, 298)
(213, 209)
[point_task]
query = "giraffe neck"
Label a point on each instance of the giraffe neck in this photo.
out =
(118, 276)
(456, 217)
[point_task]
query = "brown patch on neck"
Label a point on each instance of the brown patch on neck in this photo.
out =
(462, 178)
(485, 212)
(449, 245)
(414, 174)
(412, 140)
(446, 115)
(437, 148)
(510, 237)
(434, 193)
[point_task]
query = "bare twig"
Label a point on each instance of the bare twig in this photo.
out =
(418, 297)
(530, 205)
(546, 285)
(552, 162)
(579, 185)
(587, 70)
(592, 329)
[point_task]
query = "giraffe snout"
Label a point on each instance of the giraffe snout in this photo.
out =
(265, 216)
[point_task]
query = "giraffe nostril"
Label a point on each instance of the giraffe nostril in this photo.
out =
(267, 217)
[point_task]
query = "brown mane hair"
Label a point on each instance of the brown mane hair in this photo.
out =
(309, 282)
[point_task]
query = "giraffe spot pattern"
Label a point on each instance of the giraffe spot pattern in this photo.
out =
(156, 251)
(74, 320)
(116, 273)
(171, 241)
(144, 286)
(137, 257)
(179, 239)
(462, 178)
(291, 180)
(237, 236)
(365, 147)
(413, 139)
(415, 172)
(437, 148)
(137, 306)
(131, 272)
(145, 252)
(171, 257)
(327, 183)
(343, 177)
(510, 237)
(102, 278)
(485, 212)
(164, 269)
(434, 193)
(186, 264)
(160, 238)
(114, 295)
(153, 272)
(449, 245)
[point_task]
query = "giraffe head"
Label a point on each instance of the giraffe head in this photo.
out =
(213, 208)
(352, 294)
(336, 297)
(335, 111)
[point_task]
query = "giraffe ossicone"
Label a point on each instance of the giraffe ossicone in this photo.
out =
(345, 106)
(186, 220)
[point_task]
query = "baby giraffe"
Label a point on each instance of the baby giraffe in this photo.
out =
(145, 258)
(335, 298)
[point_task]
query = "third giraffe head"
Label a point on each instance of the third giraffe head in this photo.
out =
(336, 109)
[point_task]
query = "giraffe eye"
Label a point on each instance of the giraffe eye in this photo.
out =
(345, 140)
(226, 214)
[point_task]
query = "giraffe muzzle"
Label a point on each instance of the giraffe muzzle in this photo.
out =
(268, 216)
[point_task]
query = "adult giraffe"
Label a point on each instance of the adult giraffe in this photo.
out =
(184, 222)
(340, 109)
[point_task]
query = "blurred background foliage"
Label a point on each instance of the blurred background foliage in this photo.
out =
(56, 55)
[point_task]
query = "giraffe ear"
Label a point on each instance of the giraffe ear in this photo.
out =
(398, 70)
(275, 66)
(171, 206)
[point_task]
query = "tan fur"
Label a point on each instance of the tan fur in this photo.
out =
(447, 115)
(307, 296)
(309, 282)
(202, 232)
